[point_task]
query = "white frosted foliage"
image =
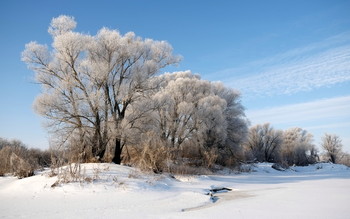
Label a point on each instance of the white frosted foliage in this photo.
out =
(91, 84)
(62, 24)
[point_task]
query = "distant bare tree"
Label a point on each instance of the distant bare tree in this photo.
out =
(297, 147)
(264, 142)
(332, 144)
(345, 159)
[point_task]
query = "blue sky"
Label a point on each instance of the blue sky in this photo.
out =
(289, 59)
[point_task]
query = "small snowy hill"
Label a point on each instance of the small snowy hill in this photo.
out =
(114, 191)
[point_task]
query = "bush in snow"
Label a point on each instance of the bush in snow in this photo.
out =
(345, 159)
(16, 159)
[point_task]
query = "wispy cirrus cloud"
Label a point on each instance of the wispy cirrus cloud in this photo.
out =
(325, 110)
(329, 126)
(321, 64)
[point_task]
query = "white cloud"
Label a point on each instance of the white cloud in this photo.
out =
(329, 126)
(320, 64)
(330, 67)
(325, 110)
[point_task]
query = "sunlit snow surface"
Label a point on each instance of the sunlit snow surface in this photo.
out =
(316, 191)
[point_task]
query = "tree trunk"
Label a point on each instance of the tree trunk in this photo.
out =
(96, 139)
(101, 155)
(117, 152)
(332, 156)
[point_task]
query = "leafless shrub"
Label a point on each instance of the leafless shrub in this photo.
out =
(71, 173)
(134, 174)
(41, 158)
(210, 157)
(158, 158)
(96, 173)
(88, 179)
(230, 157)
(154, 157)
(20, 167)
(345, 159)
(151, 156)
(5, 167)
(16, 159)
(57, 161)
(246, 168)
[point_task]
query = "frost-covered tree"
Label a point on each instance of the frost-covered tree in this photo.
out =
(237, 129)
(90, 82)
(332, 144)
(297, 147)
(264, 142)
(196, 117)
(231, 152)
(186, 109)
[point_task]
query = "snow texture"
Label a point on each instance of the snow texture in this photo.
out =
(316, 191)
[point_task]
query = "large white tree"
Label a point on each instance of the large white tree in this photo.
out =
(90, 82)
(190, 114)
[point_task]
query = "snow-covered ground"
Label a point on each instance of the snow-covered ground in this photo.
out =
(316, 191)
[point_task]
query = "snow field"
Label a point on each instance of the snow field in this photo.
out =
(316, 191)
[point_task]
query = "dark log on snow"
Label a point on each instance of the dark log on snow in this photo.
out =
(219, 189)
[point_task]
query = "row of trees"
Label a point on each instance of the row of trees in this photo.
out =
(102, 95)
(105, 101)
(263, 144)
(293, 146)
